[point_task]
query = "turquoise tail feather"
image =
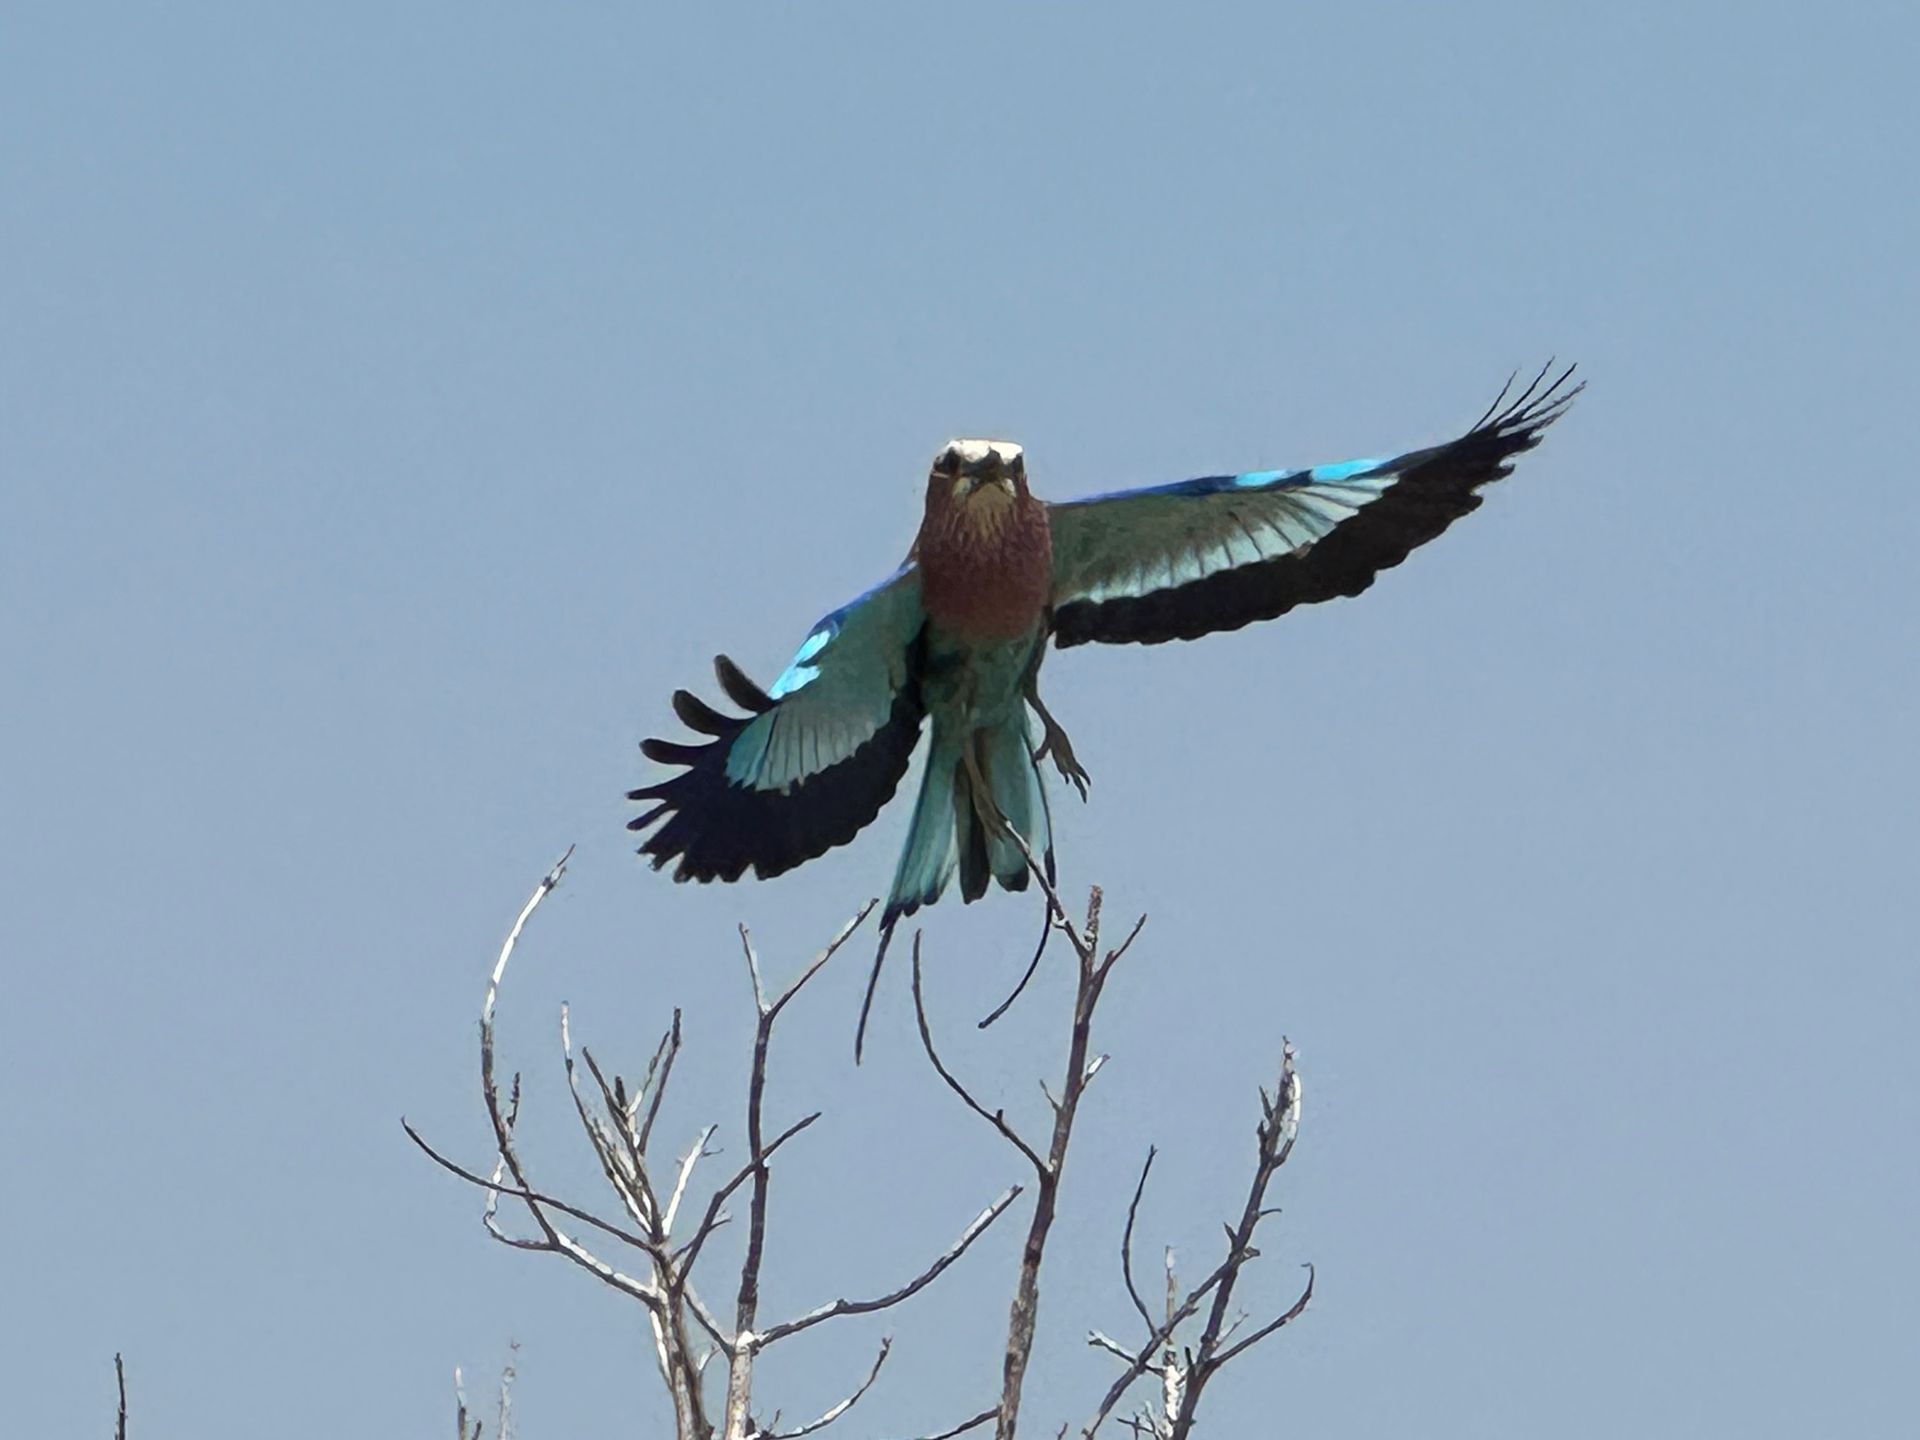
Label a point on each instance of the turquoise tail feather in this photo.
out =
(927, 861)
(948, 834)
(1006, 759)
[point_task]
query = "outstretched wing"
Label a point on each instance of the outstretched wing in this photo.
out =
(811, 762)
(1178, 561)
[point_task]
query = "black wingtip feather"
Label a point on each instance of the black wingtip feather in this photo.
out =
(672, 752)
(742, 691)
(712, 828)
(697, 715)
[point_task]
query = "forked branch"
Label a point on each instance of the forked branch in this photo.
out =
(1184, 1372)
(619, 1123)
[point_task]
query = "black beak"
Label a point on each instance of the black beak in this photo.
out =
(990, 469)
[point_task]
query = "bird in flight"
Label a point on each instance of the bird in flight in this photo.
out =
(957, 634)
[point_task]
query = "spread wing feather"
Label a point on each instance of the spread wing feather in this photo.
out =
(812, 760)
(1177, 561)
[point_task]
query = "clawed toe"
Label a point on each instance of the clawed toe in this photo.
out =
(1059, 749)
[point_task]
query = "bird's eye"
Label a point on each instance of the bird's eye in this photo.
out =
(945, 463)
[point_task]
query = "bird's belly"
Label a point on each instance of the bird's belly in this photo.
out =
(982, 682)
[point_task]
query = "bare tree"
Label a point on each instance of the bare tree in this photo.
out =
(689, 1334)
(618, 1120)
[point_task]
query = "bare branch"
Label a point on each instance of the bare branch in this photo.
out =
(503, 1417)
(681, 1376)
(120, 1380)
(621, 1116)
(629, 1180)
(832, 948)
(837, 1308)
(1279, 1125)
(753, 970)
(1184, 1374)
(1142, 1361)
(1100, 1340)
(671, 1044)
(619, 1124)
(747, 1305)
(886, 1345)
(1023, 1315)
(630, 1104)
(460, 1408)
(1083, 946)
(1293, 1313)
(533, 1198)
(964, 1426)
(710, 1221)
(541, 891)
(489, 1211)
(995, 1118)
(1114, 955)
(1126, 1242)
(694, 1155)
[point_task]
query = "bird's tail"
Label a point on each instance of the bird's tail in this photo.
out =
(953, 830)
(1005, 757)
(928, 859)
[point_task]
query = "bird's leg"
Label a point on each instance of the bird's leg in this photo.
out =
(1054, 743)
(983, 802)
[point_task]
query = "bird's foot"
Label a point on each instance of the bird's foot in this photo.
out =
(1055, 745)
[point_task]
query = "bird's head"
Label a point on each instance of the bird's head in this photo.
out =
(980, 479)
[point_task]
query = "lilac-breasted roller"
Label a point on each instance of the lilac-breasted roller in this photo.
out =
(957, 634)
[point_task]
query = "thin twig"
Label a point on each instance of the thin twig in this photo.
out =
(623, 1126)
(532, 1198)
(1100, 1340)
(832, 948)
(672, 1046)
(460, 1408)
(629, 1184)
(995, 1118)
(710, 1221)
(120, 1380)
(1293, 1313)
(1142, 1361)
(1055, 905)
(886, 1345)
(1126, 1242)
(630, 1104)
(835, 1309)
(964, 1426)
(541, 891)
(695, 1153)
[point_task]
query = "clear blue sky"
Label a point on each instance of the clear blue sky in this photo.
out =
(397, 403)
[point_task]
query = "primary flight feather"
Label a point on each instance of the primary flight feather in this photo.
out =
(957, 634)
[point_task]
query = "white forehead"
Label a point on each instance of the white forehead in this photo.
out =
(972, 452)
